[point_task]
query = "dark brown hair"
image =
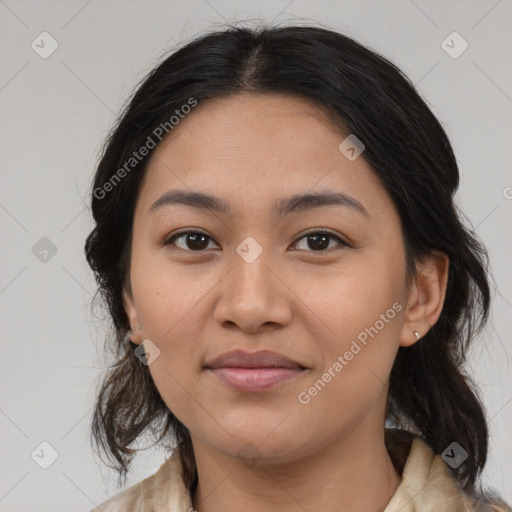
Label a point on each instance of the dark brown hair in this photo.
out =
(407, 148)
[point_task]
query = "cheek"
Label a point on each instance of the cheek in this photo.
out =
(360, 315)
(362, 342)
(350, 300)
(356, 356)
(167, 295)
(169, 302)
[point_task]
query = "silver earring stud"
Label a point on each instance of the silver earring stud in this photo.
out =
(417, 334)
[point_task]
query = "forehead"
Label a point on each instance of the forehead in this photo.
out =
(254, 149)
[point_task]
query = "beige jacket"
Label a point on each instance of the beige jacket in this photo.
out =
(427, 486)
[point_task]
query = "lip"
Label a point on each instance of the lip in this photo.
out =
(260, 359)
(255, 379)
(256, 371)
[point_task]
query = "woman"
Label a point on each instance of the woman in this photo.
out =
(287, 275)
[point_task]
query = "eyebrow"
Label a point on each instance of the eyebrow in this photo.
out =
(295, 203)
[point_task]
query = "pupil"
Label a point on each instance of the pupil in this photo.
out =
(323, 245)
(195, 237)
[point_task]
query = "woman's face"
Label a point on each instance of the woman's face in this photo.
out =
(333, 304)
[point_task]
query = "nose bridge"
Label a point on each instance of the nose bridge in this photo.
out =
(251, 268)
(252, 295)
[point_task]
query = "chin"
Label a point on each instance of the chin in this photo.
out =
(260, 447)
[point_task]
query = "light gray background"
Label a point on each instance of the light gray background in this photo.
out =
(55, 114)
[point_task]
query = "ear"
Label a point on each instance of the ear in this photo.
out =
(131, 312)
(426, 297)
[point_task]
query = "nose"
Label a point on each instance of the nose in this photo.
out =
(253, 296)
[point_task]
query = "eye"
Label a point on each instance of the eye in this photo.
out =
(318, 239)
(195, 241)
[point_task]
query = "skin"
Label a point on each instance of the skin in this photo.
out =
(267, 451)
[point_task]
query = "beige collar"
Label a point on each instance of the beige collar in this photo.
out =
(427, 486)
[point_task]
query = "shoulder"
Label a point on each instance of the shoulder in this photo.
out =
(429, 484)
(164, 491)
(134, 498)
(125, 500)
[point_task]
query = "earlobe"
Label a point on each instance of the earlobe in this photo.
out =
(426, 297)
(134, 334)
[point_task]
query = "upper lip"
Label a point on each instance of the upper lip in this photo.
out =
(260, 359)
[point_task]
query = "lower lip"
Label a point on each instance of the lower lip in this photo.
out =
(255, 379)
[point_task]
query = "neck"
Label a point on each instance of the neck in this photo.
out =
(353, 474)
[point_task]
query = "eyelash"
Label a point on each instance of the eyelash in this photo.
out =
(313, 231)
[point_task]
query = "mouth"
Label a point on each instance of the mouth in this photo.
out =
(255, 379)
(258, 371)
